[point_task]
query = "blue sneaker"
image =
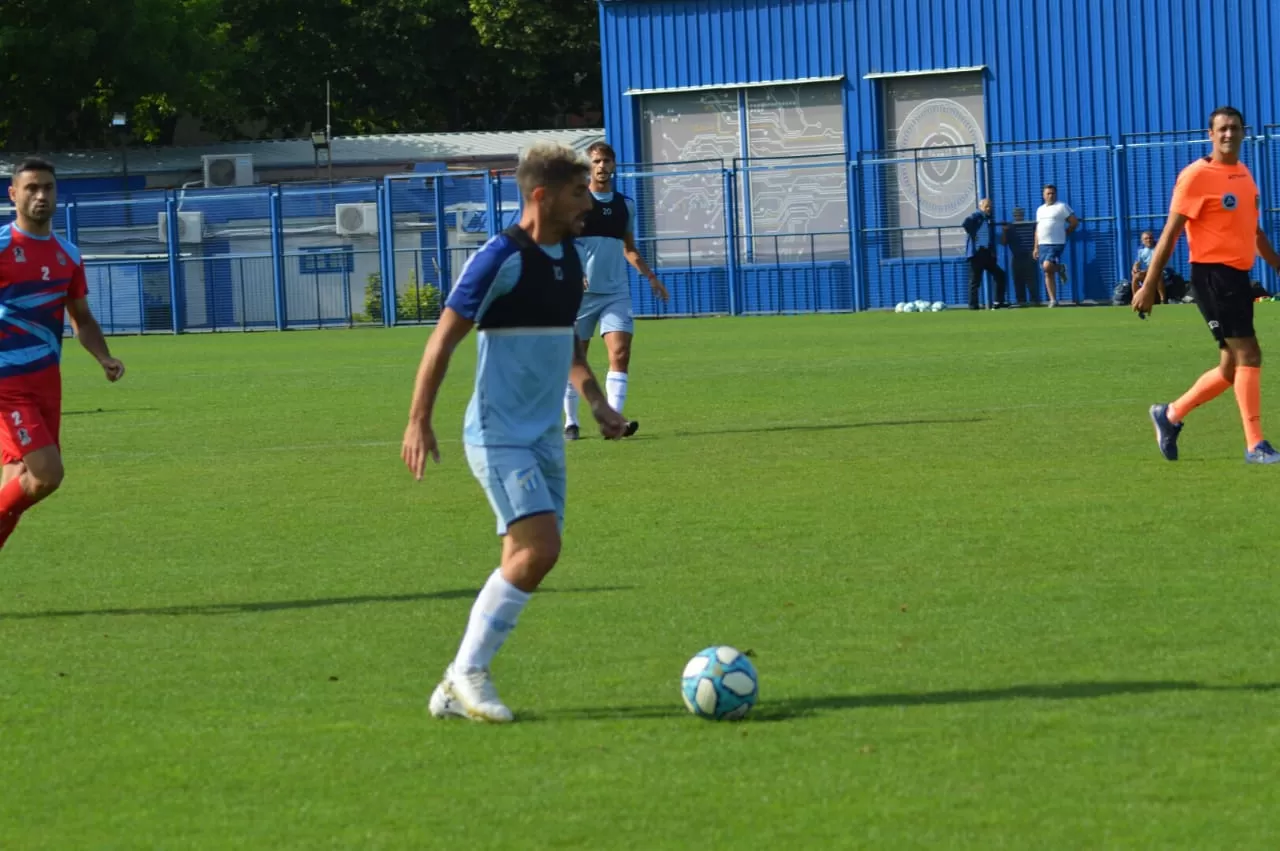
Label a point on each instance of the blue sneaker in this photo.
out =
(1263, 453)
(1166, 432)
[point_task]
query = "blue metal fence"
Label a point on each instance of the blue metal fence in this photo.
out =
(786, 235)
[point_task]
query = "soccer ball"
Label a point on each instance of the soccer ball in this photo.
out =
(720, 684)
(900, 307)
(909, 307)
(921, 305)
(938, 306)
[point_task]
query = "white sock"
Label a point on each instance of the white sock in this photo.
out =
(493, 617)
(615, 388)
(570, 405)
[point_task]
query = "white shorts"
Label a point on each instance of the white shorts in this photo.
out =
(612, 311)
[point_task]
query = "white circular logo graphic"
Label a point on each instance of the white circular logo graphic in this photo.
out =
(941, 186)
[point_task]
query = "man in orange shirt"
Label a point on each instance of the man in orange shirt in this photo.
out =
(1217, 202)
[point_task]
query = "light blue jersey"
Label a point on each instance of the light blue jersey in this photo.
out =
(603, 245)
(1145, 256)
(525, 343)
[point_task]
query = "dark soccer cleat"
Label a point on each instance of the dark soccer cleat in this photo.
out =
(632, 427)
(571, 432)
(1166, 432)
(1263, 453)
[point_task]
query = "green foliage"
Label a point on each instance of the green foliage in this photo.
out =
(394, 66)
(415, 303)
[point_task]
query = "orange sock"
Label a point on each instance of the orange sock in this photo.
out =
(1249, 398)
(1208, 387)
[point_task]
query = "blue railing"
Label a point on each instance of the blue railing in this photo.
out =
(810, 234)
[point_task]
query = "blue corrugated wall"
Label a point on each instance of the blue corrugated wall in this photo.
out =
(1055, 68)
(1112, 75)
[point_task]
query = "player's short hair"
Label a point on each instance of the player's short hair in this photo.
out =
(1049, 186)
(1229, 112)
(551, 165)
(602, 147)
(33, 164)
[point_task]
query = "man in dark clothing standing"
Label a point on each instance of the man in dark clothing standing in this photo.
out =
(1020, 236)
(982, 255)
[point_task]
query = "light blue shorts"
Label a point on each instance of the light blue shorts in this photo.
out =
(1051, 254)
(611, 310)
(521, 481)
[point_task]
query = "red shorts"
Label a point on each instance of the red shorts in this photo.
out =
(30, 413)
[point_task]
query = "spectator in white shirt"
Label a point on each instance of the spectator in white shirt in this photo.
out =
(1054, 222)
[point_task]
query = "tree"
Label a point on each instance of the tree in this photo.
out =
(67, 66)
(550, 50)
(261, 66)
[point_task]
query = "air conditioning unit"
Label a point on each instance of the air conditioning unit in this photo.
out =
(190, 227)
(356, 219)
(227, 170)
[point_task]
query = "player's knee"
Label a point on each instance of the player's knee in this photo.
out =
(528, 565)
(1047, 266)
(46, 480)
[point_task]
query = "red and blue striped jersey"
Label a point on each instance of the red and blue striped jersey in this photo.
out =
(37, 277)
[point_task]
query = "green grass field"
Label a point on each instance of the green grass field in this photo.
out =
(985, 612)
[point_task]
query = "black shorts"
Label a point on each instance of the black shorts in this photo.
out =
(1225, 297)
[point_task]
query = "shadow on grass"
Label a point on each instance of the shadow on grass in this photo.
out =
(280, 605)
(801, 707)
(830, 426)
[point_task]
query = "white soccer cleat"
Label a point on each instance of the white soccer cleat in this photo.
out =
(471, 695)
(442, 704)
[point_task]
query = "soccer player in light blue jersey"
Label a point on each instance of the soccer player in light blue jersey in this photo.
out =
(522, 291)
(608, 236)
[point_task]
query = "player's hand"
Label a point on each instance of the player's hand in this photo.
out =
(1035, 253)
(419, 443)
(612, 423)
(658, 289)
(1144, 299)
(113, 368)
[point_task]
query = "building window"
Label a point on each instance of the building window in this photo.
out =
(795, 203)
(934, 130)
(787, 142)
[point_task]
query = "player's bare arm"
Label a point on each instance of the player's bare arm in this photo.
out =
(90, 335)
(1072, 223)
(1145, 297)
(419, 439)
(612, 424)
(632, 254)
(1267, 251)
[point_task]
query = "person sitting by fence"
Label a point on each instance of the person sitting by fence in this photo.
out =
(982, 256)
(1019, 236)
(1139, 271)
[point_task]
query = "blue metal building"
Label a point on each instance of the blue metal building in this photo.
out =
(818, 154)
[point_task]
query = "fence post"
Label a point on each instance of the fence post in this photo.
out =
(492, 205)
(1120, 187)
(855, 233)
(1267, 173)
(275, 212)
(176, 289)
(73, 227)
(443, 267)
(728, 175)
(387, 252)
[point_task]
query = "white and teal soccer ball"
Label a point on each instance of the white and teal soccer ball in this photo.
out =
(909, 307)
(938, 306)
(921, 305)
(900, 307)
(720, 684)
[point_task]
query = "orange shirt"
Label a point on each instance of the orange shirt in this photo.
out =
(1221, 203)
